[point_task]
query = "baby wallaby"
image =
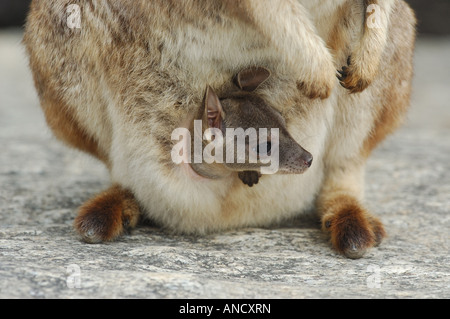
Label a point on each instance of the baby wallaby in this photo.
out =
(247, 136)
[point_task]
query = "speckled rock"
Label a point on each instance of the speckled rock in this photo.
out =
(42, 183)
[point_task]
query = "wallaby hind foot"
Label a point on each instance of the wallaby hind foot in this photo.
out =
(107, 215)
(351, 228)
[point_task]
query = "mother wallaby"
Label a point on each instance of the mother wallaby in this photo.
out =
(116, 78)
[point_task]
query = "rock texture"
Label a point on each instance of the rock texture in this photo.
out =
(42, 183)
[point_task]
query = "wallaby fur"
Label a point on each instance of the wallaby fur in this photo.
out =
(131, 72)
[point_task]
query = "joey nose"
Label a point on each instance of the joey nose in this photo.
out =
(307, 159)
(296, 160)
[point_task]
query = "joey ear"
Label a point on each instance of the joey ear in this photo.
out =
(250, 79)
(213, 109)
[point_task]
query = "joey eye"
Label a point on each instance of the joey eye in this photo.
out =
(263, 149)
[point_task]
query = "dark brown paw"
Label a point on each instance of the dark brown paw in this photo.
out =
(353, 231)
(249, 178)
(350, 80)
(107, 215)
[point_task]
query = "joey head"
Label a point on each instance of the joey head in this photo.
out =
(251, 137)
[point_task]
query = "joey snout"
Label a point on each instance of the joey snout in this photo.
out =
(294, 159)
